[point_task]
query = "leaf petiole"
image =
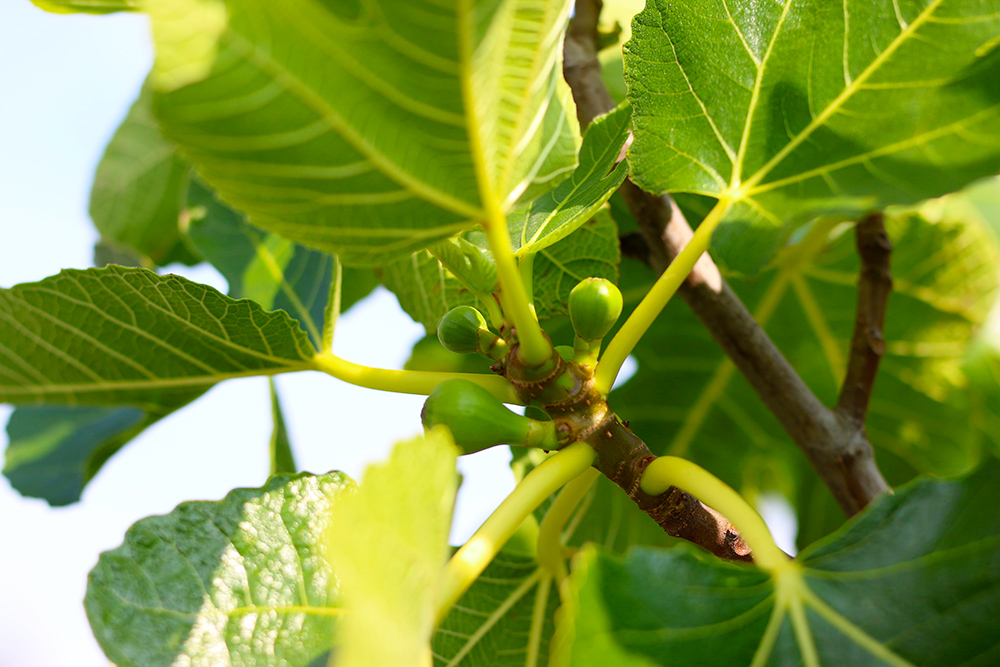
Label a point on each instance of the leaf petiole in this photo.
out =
(550, 533)
(656, 299)
(407, 382)
(469, 561)
(535, 349)
(667, 471)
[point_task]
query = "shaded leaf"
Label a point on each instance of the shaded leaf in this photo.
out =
(388, 546)
(124, 336)
(241, 581)
(367, 130)
(687, 399)
(54, 450)
(505, 618)
(795, 109)
(140, 187)
(271, 270)
(878, 592)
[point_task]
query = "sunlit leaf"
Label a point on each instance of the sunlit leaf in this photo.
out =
(241, 581)
(87, 6)
(557, 214)
(368, 130)
(427, 290)
(388, 546)
(793, 109)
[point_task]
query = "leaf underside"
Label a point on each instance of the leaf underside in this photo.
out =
(368, 130)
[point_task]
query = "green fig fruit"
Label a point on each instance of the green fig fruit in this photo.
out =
(459, 329)
(594, 307)
(478, 420)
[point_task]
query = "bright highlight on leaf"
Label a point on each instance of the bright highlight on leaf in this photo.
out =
(234, 582)
(370, 130)
(388, 544)
(808, 107)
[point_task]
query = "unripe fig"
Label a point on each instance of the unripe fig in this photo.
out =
(594, 307)
(459, 329)
(477, 419)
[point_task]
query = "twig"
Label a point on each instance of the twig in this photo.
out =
(867, 343)
(835, 445)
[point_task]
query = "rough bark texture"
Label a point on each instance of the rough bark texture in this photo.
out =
(581, 414)
(834, 441)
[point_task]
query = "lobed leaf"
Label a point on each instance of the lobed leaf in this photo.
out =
(790, 110)
(877, 592)
(368, 130)
(241, 581)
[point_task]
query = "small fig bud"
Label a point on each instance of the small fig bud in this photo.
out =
(459, 329)
(594, 307)
(477, 419)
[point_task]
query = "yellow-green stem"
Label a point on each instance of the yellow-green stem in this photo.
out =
(550, 554)
(407, 382)
(535, 348)
(470, 561)
(526, 267)
(667, 471)
(656, 299)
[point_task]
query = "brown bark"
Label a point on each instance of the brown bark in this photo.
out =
(834, 442)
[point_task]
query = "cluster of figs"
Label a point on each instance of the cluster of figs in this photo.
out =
(478, 419)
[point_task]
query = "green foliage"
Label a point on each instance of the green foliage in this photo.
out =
(242, 578)
(505, 620)
(171, 337)
(386, 150)
(139, 189)
(877, 592)
(688, 400)
(403, 136)
(808, 108)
